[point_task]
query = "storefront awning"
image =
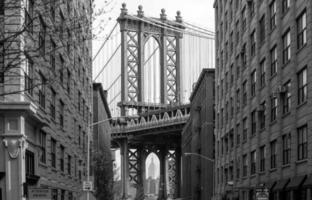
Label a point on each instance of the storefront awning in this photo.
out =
(296, 182)
(280, 185)
(308, 182)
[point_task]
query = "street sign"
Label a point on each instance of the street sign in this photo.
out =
(87, 186)
(262, 194)
(39, 194)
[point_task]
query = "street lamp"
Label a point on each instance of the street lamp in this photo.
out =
(121, 120)
(205, 158)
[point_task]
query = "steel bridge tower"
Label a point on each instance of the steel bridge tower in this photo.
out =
(151, 127)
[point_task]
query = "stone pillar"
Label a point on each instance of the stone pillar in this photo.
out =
(124, 169)
(162, 195)
(178, 172)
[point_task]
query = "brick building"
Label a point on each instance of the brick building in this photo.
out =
(197, 138)
(45, 96)
(263, 99)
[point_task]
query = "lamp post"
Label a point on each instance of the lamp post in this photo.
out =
(205, 158)
(122, 120)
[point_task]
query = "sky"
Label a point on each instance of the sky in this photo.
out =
(197, 12)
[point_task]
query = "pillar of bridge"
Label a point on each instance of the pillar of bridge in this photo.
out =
(178, 172)
(162, 194)
(124, 168)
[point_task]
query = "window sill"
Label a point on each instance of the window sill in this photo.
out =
(285, 165)
(286, 63)
(298, 162)
(261, 173)
(273, 122)
(300, 49)
(286, 114)
(273, 76)
(273, 170)
(253, 175)
(44, 165)
(54, 169)
(302, 104)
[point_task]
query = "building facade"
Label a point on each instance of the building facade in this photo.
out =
(263, 99)
(197, 138)
(45, 97)
(101, 144)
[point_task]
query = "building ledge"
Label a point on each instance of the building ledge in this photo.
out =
(28, 109)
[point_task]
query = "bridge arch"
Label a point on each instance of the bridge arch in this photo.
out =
(151, 71)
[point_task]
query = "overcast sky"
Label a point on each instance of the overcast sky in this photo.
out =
(198, 12)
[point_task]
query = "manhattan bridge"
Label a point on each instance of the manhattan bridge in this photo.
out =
(148, 66)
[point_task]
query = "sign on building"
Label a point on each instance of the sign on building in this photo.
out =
(262, 194)
(87, 186)
(39, 194)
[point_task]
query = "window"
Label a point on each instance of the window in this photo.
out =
(252, 8)
(42, 143)
(261, 114)
(62, 25)
(245, 165)
(238, 166)
(29, 75)
(2, 53)
(244, 129)
(245, 93)
(69, 41)
(253, 158)
(262, 29)
(273, 55)
(29, 14)
(237, 32)
(262, 73)
(61, 110)
(42, 37)
(262, 159)
(62, 157)
(54, 194)
(83, 141)
(253, 123)
(52, 55)
(285, 5)
(244, 19)
(52, 9)
(302, 30)
(231, 136)
(238, 100)
(79, 101)
(253, 79)
(231, 43)
(302, 142)
(53, 153)
(273, 154)
(69, 164)
(273, 108)
(286, 148)
(42, 91)
(61, 70)
(286, 97)
(253, 43)
(244, 56)
(62, 194)
(52, 105)
(29, 163)
(286, 47)
(273, 15)
(237, 134)
(302, 86)
(1, 7)
(68, 81)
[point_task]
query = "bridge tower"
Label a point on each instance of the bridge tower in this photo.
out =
(137, 143)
